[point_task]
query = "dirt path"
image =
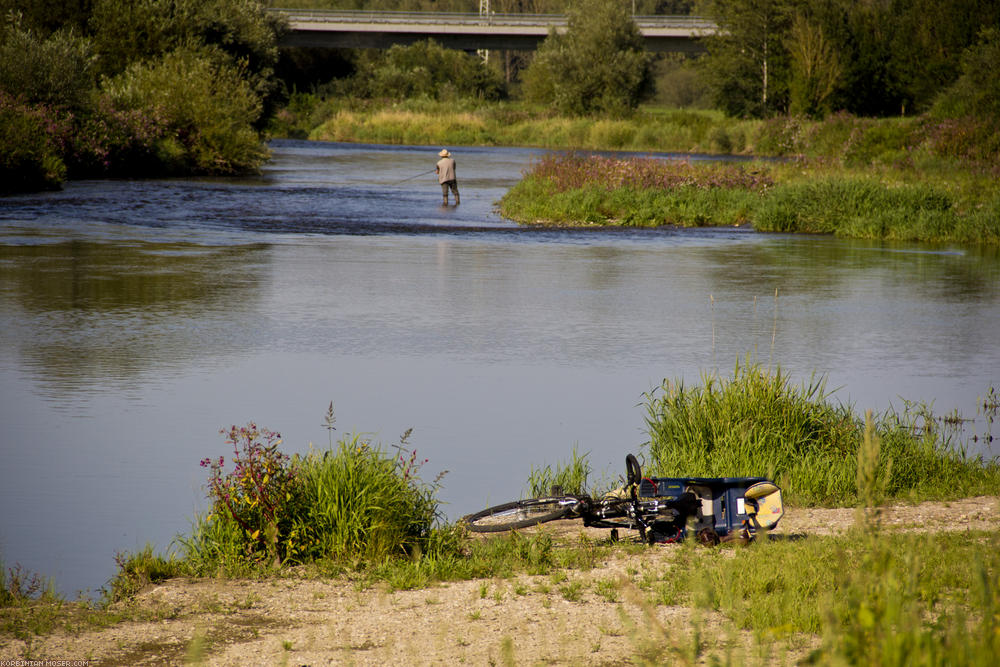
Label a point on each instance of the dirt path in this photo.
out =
(523, 620)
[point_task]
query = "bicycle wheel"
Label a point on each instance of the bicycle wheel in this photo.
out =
(519, 514)
(632, 470)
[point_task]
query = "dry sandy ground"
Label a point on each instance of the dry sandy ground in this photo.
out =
(525, 620)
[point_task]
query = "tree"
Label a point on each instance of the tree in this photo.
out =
(56, 71)
(47, 16)
(748, 60)
(424, 69)
(127, 31)
(976, 93)
(815, 69)
(598, 65)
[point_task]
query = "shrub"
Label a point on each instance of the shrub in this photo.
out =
(354, 503)
(30, 147)
(424, 70)
(56, 72)
(205, 104)
(117, 142)
(976, 93)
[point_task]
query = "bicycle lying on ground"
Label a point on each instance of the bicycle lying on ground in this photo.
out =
(662, 509)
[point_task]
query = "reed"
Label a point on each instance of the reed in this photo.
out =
(571, 476)
(757, 423)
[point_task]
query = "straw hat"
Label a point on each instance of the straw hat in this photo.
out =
(444, 153)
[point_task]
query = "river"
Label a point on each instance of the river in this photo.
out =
(137, 319)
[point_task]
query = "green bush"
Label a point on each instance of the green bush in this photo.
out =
(30, 156)
(423, 70)
(206, 105)
(976, 93)
(57, 71)
(847, 205)
(362, 503)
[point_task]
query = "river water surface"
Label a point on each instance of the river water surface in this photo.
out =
(139, 318)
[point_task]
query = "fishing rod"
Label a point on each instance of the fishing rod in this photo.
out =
(417, 176)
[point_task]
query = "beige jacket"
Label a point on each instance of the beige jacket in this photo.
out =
(446, 169)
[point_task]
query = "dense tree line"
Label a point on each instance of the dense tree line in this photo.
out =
(115, 87)
(110, 87)
(872, 58)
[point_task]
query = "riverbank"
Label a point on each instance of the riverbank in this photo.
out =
(923, 178)
(616, 605)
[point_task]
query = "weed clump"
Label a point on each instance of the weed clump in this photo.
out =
(354, 503)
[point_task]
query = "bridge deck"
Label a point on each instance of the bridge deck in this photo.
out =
(365, 29)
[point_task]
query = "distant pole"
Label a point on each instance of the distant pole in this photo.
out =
(484, 11)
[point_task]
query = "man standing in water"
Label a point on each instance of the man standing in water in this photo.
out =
(446, 175)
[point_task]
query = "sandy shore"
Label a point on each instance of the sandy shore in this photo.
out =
(522, 620)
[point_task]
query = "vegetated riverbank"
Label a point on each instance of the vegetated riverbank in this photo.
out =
(924, 178)
(291, 543)
(581, 600)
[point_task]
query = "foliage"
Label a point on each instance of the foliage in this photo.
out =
(55, 71)
(424, 69)
(831, 204)
(815, 69)
(257, 493)
(206, 105)
(352, 504)
(597, 65)
(758, 424)
(976, 93)
(361, 503)
(30, 147)
(126, 31)
(186, 87)
(111, 141)
(868, 58)
(47, 16)
(748, 60)
(574, 189)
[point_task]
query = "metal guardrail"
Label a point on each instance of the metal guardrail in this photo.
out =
(469, 18)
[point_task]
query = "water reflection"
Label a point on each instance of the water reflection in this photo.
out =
(88, 313)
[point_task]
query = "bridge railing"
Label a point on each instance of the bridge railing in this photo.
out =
(470, 18)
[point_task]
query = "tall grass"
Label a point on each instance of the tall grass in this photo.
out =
(870, 597)
(473, 122)
(757, 423)
(354, 503)
(575, 190)
(361, 502)
(571, 476)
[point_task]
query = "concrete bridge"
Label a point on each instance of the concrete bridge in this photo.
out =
(468, 32)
